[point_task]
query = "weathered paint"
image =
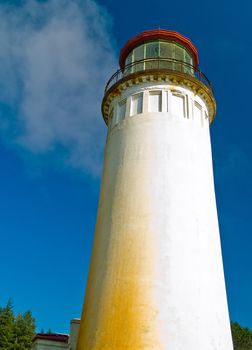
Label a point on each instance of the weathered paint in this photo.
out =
(156, 278)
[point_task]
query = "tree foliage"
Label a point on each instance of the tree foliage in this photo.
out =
(16, 332)
(7, 321)
(242, 337)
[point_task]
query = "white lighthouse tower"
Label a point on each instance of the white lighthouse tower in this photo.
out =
(156, 277)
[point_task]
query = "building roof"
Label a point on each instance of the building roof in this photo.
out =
(52, 336)
(155, 34)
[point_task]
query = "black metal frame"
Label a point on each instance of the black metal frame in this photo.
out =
(158, 65)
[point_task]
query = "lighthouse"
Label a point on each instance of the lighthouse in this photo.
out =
(156, 278)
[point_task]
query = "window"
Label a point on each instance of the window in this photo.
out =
(136, 104)
(197, 111)
(110, 119)
(155, 101)
(178, 105)
(121, 110)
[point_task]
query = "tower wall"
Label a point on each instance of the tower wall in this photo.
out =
(156, 278)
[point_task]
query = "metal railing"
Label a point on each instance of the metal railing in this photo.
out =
(165, 65)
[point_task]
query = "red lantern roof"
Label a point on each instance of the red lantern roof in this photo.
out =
(155, 34)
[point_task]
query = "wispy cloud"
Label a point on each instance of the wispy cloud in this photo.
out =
(55, 57)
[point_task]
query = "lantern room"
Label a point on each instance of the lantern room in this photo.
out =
(159, 48)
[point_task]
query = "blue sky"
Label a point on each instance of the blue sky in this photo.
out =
(52, 137)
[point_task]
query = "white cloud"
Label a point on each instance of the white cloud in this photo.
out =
(55, 58)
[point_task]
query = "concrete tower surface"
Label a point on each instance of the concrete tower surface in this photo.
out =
(156, 277)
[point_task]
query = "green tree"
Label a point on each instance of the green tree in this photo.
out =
(6, 326)
(24, 331)
(242, 337)
(16, 332)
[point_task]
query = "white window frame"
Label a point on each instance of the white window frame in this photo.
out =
(131, 103)
(160, 106)
(185, 101)
(118, 116)
(199, 106)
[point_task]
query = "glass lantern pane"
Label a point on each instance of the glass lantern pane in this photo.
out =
(152, 49)
(152, 52)
(166, 54)
(188, 59)
(166, 49)
(179, 53)
(128, 61)
(179, 56)
(138, 55)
